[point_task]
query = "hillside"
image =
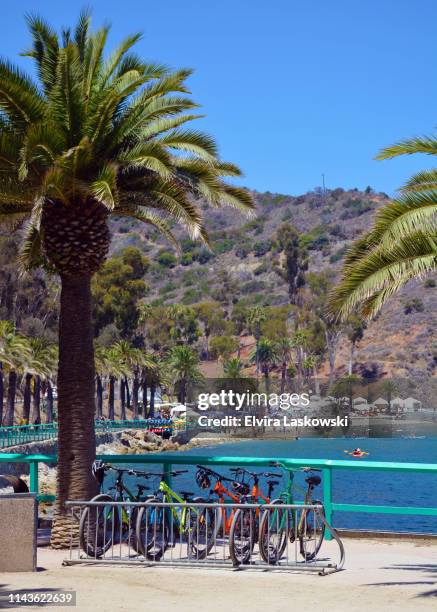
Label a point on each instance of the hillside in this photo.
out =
(400, 341)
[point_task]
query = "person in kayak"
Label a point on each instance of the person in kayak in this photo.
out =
(357, 452)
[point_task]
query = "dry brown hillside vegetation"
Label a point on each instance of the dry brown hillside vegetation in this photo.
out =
(399, 342)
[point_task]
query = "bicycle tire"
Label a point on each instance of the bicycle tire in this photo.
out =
(203, 528)
(110, 527)
(243, 528)
(152, 530)
(271, 527)
(312, 531)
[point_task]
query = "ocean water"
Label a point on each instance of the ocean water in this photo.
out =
(376, 488)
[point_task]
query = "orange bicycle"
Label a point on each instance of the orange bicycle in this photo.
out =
(224, 518)
(240, 524)
(243, 534)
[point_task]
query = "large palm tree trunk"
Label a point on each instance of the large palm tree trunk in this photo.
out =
(76, 438)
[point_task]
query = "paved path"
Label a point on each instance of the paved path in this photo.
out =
(379, 576)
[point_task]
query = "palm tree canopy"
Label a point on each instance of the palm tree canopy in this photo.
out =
(184, 363)
(267, 353)
(102, 130)
(15, 351)
(43, 358)
(402, 244)
(233, 368)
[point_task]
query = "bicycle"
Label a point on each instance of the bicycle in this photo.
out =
(224, 518)
(157, 526)
(244, 528)
(277, 525)
(103, 526)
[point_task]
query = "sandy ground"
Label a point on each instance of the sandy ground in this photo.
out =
(378, 576)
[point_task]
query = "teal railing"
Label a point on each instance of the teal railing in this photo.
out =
(328, 466)
(22, 434)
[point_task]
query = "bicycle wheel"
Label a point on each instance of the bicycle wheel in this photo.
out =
(242, 536)
(311, 532)
(152, 530)
(99, 527)
(132, 536)
(274, 524)
(202, 529)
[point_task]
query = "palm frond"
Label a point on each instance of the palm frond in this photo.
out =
(104, 188)
(420, 144)
(191, 141)
(19, 97)
(422, 181)
(368, 283)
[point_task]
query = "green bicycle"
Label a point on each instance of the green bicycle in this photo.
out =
(105, 525)
(159, 527)
(277, 525)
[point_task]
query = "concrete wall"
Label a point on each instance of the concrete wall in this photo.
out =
(18, 527)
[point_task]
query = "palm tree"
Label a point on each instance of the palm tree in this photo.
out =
(284, 348)
(267, 355)
(14, 354)
(184, 364)
(116, 369)
(96, 136)
(233, 367)
(255, 318)
(131, 360)
(299, 342)
(402, 244)
(41, 366)
(309, 366)
(101, 370)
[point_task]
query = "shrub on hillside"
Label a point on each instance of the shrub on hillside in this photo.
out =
(166, 259)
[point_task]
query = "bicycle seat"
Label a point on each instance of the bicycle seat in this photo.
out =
(186, 494)
(313, 480)
(273, 483)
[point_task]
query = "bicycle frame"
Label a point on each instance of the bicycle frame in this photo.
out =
(287, 496)
(220, 490)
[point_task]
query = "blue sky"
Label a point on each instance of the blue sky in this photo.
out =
(292, 89)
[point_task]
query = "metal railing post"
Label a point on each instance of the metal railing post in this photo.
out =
(33, 480)
(167, 473)
(327, 498)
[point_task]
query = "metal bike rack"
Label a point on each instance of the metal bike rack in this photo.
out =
(186, 548)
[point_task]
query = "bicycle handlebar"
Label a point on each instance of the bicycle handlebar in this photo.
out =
(301, 469)
(241, 470)
(215, 474)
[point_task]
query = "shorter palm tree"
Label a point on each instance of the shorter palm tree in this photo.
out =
(184, 365)
(14, 355)
(41, 365)
(267, 355)
(233, 367)
(255, 318)
(284, 348)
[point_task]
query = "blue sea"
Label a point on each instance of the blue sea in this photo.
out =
(376, 488)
